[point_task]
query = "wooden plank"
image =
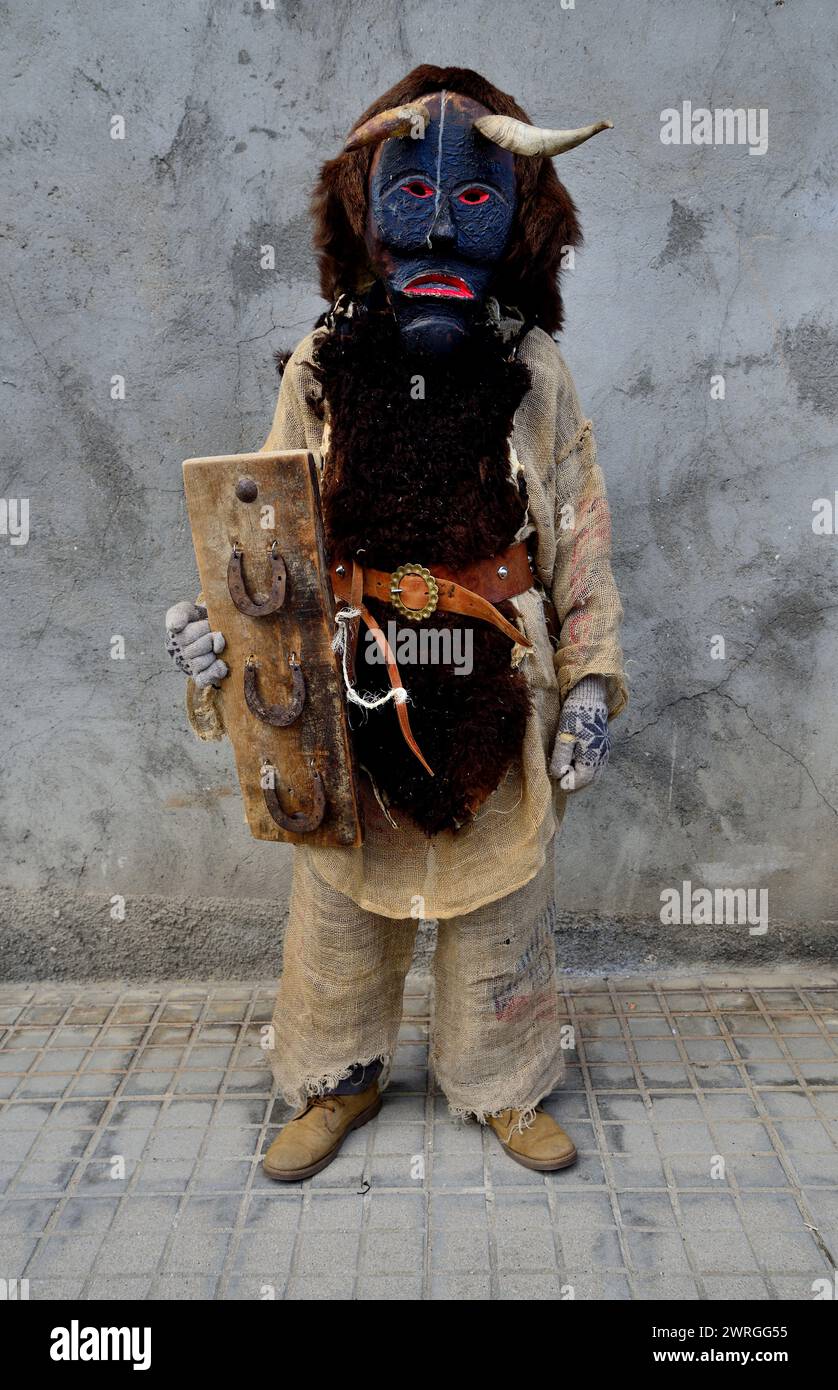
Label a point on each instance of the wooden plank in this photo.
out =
(285, 510)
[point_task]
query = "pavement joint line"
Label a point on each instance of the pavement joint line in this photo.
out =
(768, 1119)
(190, 1185)
(730, 1173)
(788, 1166)
(132, 1183)
(671, 1187)
(596, 1118)
(70, 1190)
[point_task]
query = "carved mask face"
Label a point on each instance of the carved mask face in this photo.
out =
(440, 213)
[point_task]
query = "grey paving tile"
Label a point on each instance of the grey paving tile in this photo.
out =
(139, 1254)
(595, 1287)
(526, 1248)
(335, 1288)
(193, 1287)
(326, 1252)
(657, 1251)
(463, 1250)
(397, 1211)
(164, 1176)
(87, 1214)
(181, 1114)
(8, 1172)
(217, 1175)
(721, 1252)
(209, 1213)
(708, 1212)
(685, 1138)
(62, 1290)
(59, 1256)
(457, 1170)
(400, 1109)
(397, 1252)
(390, 1288)
(757, 1172)
(629, 1139)
(17, 1251)
(198, 1083)
(669, 1289)
(696, 1170)
(670, 1109)
(45, 1177)
(460, 1287)
(529, 1287)
(808, 1136)
(347, 1171)
(137, 1213)
(196, 1251)
(17, 1143)
(586, 1250)
(23, 1115)
(327, 1211)
(736, 1288)
(265, 1252)
(646, 1210)
(730, 1105)
(257, 1287)
(23, 1214)
(403, 1139)
(385, 1170)
(801, 1288)
(788, 1252)
(637, 1170)
(819, 1170)
(459, 1139)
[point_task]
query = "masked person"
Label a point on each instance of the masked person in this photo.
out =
(463, 505)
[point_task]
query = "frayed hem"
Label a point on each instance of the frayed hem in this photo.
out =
(526, 1107)
(526, 1115)
(312, 1086)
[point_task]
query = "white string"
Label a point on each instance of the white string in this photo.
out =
(341, 645)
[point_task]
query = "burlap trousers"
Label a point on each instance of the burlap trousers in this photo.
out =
(496, 1039)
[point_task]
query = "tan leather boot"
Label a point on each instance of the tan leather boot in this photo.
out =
(543, 1145)
(312, 1138)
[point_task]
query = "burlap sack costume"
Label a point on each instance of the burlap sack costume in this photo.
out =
(496, 1042)
(488, 881)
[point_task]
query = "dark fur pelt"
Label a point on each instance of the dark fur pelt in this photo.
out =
(427, 481)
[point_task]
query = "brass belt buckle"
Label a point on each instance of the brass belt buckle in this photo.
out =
(431, 586)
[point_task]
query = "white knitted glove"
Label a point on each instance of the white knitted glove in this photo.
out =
(191, 645)
(582, 744)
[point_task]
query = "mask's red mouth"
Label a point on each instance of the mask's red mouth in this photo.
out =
(440, 285)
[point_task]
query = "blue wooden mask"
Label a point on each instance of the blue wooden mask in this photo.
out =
(441, 207)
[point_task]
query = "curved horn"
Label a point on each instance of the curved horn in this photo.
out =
(399, 120)
(521, 138)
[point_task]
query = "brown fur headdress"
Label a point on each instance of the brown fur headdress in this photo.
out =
(545, 223)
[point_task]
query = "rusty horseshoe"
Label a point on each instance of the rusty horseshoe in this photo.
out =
(278, 715)
(238, 588)
(298, 822)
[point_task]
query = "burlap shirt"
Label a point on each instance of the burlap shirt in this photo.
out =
(398, 871)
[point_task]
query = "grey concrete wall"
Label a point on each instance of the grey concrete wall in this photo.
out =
(140, 258)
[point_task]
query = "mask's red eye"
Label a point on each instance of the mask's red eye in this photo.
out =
(417, 188)
(473, 196)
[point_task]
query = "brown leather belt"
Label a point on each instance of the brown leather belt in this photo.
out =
(416, 592)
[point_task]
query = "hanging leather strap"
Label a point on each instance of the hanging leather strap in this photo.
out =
(396, 683)
(356, 595)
